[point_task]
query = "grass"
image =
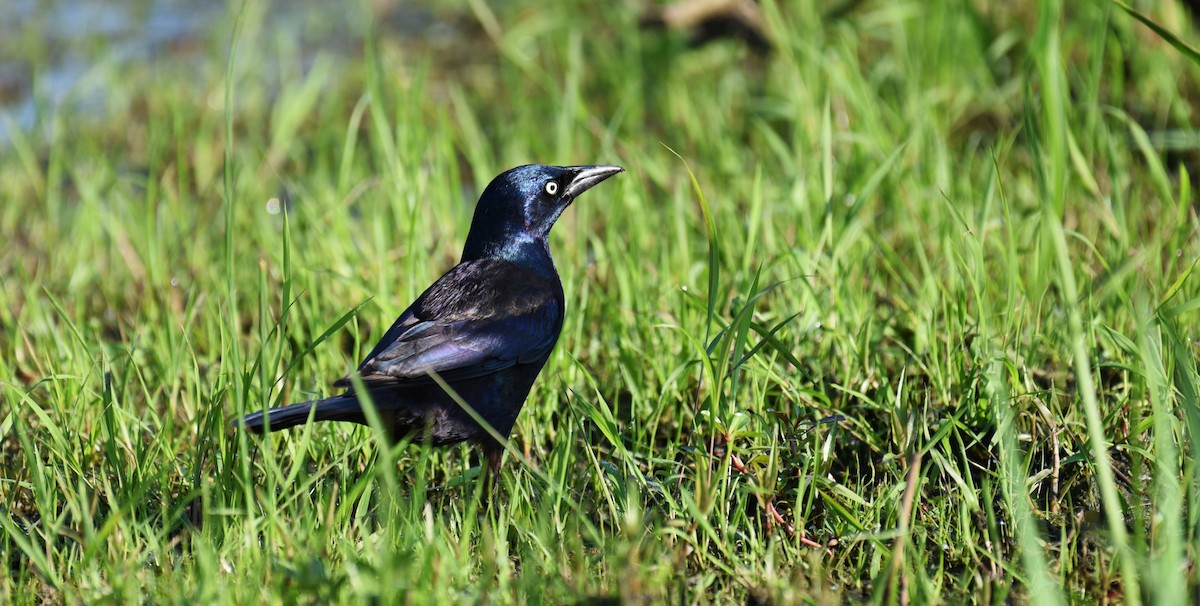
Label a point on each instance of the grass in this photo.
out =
(962, 236)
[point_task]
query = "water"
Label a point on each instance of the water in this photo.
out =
(52, 51)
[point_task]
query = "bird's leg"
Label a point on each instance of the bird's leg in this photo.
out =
(491, 475)
(494, 453)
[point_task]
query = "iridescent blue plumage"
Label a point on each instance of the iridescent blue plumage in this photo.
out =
(486, 327)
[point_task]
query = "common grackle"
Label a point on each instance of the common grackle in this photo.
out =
(485, 328)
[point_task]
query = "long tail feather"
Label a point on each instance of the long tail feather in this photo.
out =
(337, 408)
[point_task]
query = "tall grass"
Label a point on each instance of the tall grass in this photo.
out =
(900, 312)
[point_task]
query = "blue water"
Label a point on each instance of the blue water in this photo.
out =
(76, 38)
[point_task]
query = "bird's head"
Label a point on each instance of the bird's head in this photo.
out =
(519, 207)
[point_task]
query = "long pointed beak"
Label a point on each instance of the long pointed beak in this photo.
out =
(588, 176)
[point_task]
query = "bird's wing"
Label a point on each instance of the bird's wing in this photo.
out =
(463, 349)
(463, 339)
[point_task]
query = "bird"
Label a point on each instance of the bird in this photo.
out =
(486, 327)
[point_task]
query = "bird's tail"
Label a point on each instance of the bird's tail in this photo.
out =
(338, 408)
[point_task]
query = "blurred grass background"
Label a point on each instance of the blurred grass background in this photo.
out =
(966, 228)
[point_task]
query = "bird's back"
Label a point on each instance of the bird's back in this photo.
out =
(485, 328)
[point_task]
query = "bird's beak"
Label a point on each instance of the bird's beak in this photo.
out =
(588, 176)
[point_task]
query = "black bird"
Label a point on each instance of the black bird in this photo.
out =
(486, 327)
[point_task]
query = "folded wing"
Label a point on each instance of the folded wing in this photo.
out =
(463, 337)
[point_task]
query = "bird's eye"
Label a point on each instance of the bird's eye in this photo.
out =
(551, 187)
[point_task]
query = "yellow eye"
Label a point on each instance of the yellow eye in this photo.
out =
(551, 188)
